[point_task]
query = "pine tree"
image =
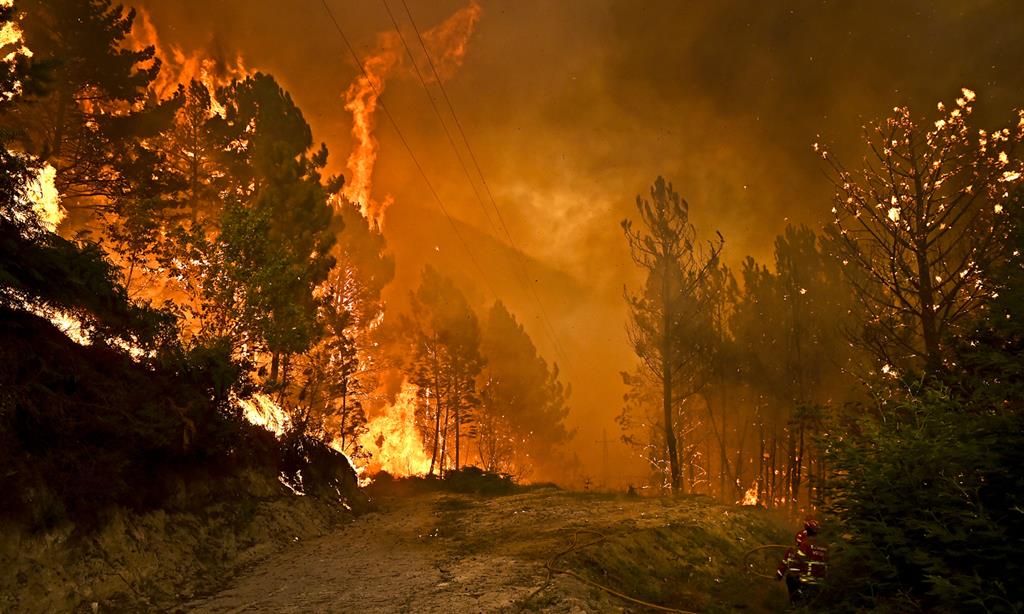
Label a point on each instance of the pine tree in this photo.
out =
(445, 362)
(256, 273)
(96, 97)
(523, 403)
(667, 320)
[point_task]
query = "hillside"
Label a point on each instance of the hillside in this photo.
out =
(127, 486)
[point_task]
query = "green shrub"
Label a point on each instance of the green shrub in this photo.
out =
(929, 505)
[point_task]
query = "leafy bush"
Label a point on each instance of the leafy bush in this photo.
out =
(929, 503)
(310, 466)
(477, 481)
(85, 427)
(467, 480)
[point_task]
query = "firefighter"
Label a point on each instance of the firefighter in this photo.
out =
(804, 566)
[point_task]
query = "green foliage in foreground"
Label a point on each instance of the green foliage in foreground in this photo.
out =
(931, 509)
(928, 497)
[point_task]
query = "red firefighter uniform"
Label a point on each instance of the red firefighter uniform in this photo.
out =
(804, 566)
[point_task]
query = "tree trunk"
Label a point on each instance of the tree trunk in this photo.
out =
(57, 145)
(194, 184)
(787, 482)
(761, 481)
(723, 460)
(666, 380)
(929, 328)
(444, 440)
(812, 480)
(738, 471)
(458, 419)
(771, 468)
(437, 417)
(798, 465)
(925, 289)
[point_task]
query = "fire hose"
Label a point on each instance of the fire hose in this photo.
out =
(748, 566)
(575, 545)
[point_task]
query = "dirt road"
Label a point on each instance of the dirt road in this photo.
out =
(457, 553)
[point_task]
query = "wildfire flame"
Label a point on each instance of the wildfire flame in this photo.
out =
(45, 199)
(12, 44)
(210, 67)
(750, 497)
(11, 37)
(447, 43)
(70, 325)
(392, 439)
(261, 410)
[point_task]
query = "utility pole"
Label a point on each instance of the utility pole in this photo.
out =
(604, 455)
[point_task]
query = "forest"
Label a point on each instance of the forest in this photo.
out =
(199, 303)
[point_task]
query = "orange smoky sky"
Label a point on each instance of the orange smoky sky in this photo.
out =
(574, 107)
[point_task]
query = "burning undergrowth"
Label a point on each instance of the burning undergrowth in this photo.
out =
(308, 467)
(392, 440)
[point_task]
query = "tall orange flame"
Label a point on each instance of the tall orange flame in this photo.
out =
(392, 439)
(361, 101)
(211, 67)
(447, 43)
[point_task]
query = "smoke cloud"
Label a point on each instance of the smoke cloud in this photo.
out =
(574, 107)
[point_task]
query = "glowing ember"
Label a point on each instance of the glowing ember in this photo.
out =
(393, 441)
(446, 43)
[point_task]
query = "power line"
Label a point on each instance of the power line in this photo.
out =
(437, 112)
(524, 277)
(408, 149)
(549, 329)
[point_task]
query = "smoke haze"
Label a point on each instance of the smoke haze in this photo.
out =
(574, 107)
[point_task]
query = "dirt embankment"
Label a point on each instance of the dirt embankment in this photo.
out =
(159, 560)
(438, 552)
